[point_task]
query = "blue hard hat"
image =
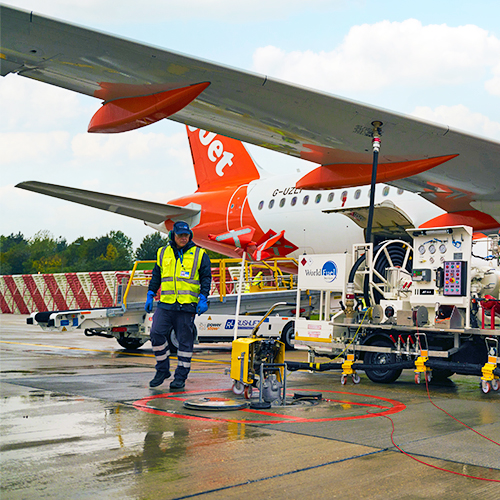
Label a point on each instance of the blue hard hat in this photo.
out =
(181, 227)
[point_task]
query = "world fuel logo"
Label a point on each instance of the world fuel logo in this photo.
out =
(215, 150)
(329, 271)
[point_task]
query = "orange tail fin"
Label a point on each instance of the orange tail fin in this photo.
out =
(219, 161)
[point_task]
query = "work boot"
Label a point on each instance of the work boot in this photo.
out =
(160, 377)
(177, 384)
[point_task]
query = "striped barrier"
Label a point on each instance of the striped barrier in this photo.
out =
(27, 293)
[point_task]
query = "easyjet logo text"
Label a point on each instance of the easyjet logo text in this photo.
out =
(215, 150)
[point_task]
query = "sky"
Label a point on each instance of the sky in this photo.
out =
(437, 60)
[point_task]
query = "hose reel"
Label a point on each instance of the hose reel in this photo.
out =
(392, 261)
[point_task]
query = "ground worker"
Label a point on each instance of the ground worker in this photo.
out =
(183, 270)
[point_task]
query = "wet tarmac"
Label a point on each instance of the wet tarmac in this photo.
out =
(78, 420)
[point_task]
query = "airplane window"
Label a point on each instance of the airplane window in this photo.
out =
(357, 194)
(344, 197)
(282, 202)
(305, 200)
(385, 192)
(317, 199)
(294, 200)
(271, 204)
(261, 205)
(400, 191)
(330, 196)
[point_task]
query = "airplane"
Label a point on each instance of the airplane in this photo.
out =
(233, 192)
(433, 175)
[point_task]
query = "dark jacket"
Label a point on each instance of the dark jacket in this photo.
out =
(205, 273)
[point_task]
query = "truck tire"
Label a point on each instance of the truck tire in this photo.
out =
(131, 343)
(381, 358)
(287, 336)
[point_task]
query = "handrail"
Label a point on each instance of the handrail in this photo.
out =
(219, 268)
(132, 274)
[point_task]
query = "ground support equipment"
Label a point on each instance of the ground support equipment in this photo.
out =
(489, 380)
(258, 362)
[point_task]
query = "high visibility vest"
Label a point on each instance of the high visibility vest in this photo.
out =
(180, 279)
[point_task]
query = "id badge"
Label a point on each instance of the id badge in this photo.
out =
(184, 274)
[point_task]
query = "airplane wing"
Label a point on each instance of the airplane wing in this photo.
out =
(154, 213)
(140, 84)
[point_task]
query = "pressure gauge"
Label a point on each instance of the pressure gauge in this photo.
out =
(421, 249)
(432, 249)
(442, 248)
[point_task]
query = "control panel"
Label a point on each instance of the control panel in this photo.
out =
(455, 278)
(441, 260)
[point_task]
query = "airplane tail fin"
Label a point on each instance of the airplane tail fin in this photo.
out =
(219, 161)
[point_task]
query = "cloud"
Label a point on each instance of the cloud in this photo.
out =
(461, 118)
(22, 147)
(136, 157)
(32, 106)
(492, 86)
(389, 53)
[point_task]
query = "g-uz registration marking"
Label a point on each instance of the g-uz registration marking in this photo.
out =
(287, 190)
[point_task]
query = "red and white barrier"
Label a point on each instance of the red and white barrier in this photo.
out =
(27, 293)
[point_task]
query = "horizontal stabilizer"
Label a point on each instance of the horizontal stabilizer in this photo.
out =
(273, 245)
(148, 211)
(239, 238)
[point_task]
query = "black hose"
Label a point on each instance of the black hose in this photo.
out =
(397, 253)
(354, 268)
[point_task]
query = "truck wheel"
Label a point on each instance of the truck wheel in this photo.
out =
(382, 358)
(131, 343)
(288, 335)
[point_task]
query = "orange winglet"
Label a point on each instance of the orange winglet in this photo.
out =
(130, 113)
(344, 175)
(474, 218)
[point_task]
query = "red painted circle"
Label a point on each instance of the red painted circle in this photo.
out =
(396, 407)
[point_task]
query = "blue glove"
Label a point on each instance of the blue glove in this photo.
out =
(149, 301)
(202, 305)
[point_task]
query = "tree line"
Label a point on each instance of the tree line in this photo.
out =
(45, 254)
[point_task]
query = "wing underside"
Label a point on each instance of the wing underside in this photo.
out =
(328, 130)
(153, 213)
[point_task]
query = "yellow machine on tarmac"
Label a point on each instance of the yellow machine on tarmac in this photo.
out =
(259, 362)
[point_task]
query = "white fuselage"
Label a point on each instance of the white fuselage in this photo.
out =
(276, 204)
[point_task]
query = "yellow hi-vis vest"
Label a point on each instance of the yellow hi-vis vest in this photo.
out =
(180, 279)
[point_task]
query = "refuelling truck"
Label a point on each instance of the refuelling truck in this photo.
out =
(429, 303)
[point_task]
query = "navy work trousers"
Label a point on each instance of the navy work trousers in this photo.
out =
(182, 323)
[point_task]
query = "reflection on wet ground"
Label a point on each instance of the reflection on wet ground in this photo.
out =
(78, 420)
